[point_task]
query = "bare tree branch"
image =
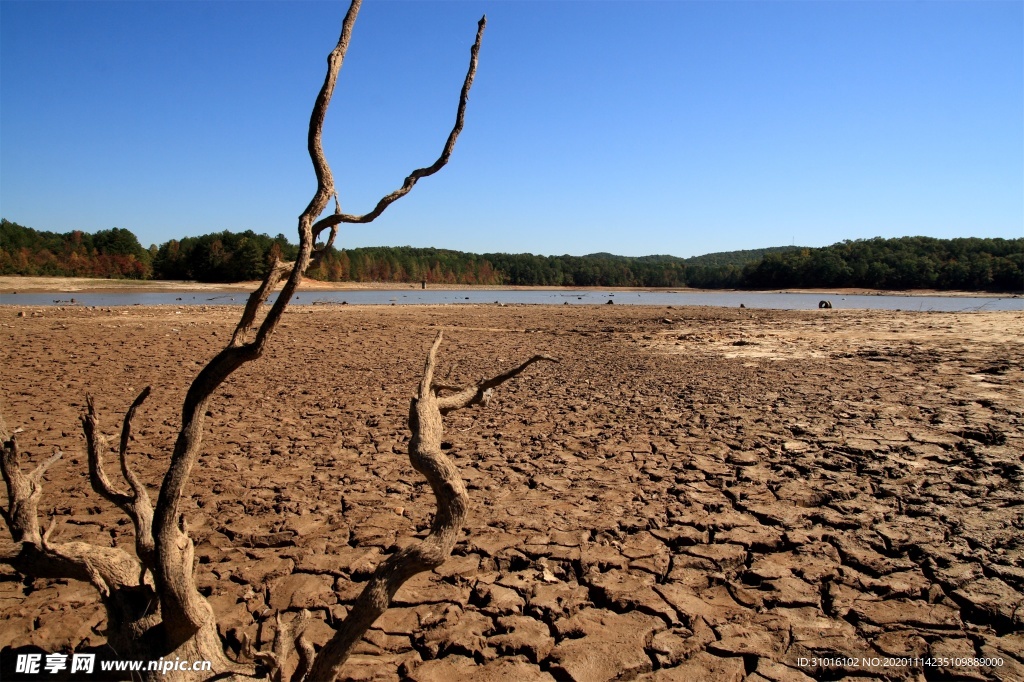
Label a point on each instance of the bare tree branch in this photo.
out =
(473, 395)
(449, 490)
(278, 270)
(126, 427)
(23, 492)
(137, 505)
(171, 616)
(307, 654)
(288, 639)
(131, 607)
(419, 173)
(185, 610)
(96, 445)
(38, 556)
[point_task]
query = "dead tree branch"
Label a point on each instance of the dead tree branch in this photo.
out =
(136, 505)
(427, 457)
(131, 607)
(23, 492)
(416, 175)
(171, 616)
(476, 395)
(185, 610)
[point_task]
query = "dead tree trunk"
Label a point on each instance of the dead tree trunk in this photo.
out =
(154, 609)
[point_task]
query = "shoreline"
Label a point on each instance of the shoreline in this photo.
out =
(11, 285)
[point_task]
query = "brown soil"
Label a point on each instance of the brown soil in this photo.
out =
(691, 494)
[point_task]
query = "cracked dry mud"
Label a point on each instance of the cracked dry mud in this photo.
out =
(692, 494)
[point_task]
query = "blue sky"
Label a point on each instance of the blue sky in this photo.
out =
(634, 128)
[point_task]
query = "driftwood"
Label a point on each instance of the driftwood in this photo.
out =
(154, 609)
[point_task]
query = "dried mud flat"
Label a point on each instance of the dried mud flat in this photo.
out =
(690, 494)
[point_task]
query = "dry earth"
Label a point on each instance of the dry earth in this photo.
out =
(692, 494)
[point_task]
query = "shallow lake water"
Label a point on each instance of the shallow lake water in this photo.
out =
(726, 299)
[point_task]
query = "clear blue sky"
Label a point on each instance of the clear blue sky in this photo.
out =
(634, 128)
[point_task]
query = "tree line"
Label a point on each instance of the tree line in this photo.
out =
(971, 264)
(114, 253)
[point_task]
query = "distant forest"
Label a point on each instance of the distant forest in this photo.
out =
(970, 264)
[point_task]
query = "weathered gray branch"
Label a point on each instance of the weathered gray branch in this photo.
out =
(185, 610)
(136, 505)
(131, 607)
(187, 627)
(473, 395)
(23, 492)
(427, 457)
(416, 175)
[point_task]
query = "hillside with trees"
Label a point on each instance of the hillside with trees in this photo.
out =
(406, 264)
(221, 256)
(968, 264)
(114, 253)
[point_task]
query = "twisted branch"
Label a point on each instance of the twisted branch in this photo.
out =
(426, 456)
(416, 175)
(113, 572)
(185, 611)
(479, 394)
(23, 491)
(162, 540)
(137, 505)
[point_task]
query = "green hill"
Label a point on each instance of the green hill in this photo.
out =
(970, 264)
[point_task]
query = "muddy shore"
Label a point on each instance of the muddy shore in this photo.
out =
(691, 494)
(11, 285)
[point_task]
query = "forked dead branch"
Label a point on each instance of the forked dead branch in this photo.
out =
(154, 609)
(425, 426)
